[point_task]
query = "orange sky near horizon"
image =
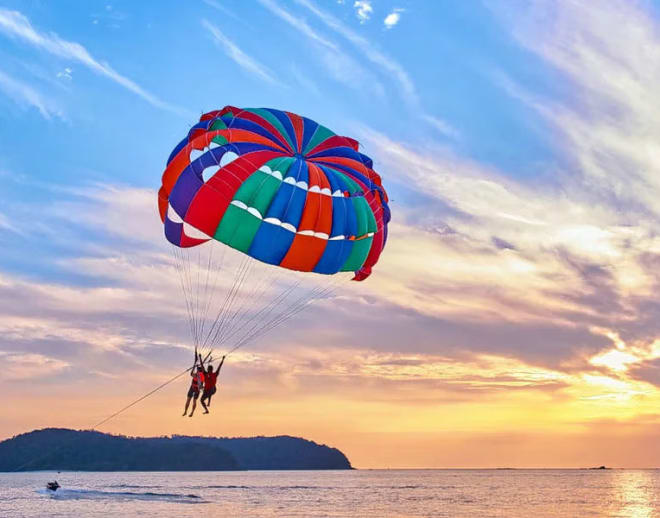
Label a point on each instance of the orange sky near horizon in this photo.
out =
(584, 424)
(512, 321)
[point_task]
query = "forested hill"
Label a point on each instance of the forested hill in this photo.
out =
(71, 450)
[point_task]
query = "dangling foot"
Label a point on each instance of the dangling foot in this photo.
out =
(206, 411)
(184, 414)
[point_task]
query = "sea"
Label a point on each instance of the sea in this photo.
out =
(359, 493)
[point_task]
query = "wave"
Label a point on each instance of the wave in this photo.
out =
(262, 487)
(131, 486)
(91, 494)
(226, 487)
(325, 488)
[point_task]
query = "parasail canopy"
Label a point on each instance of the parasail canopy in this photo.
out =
(277, 187)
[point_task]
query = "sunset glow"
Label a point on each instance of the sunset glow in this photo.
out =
(513, 319)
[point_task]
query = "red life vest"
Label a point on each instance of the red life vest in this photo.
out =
(196, 380)
(210, 379)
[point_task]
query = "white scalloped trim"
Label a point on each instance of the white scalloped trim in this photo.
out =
(193, 232)
(172, 215)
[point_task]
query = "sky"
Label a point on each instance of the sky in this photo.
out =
(514, 317)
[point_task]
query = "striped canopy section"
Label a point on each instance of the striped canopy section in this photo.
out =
(278, 187)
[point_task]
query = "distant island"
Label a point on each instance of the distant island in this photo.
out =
(62, 449)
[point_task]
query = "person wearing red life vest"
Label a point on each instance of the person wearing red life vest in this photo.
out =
(210, 380)
(197, 375)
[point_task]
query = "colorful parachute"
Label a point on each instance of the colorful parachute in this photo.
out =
(289, 197)
(278, 187)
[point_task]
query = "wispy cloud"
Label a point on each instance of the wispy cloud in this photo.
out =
(5, 224)
(442, 126)
(24, 95)
(493, 293)
(363, 10)
(299, 23)
(110, 16)
(219, 7)
(21, 366)
(386, 63)
(582, 253)
(449, 324)
(216, 4)
(393, 18)
(233, 51)
(339, 64)
(606, 125)
(65, 74)
(16, 25)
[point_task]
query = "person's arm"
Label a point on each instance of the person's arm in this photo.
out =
(192, 371)
(220, 365)
(202, 375)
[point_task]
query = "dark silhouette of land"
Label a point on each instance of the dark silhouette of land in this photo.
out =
(71, 450)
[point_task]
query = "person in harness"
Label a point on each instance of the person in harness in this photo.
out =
(210, 379)
(197, 374)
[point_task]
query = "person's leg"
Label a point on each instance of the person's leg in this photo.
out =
(204, 396)
(210, 396)
(194, 405)
(185, 410)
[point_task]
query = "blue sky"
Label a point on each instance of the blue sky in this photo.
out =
(172, 55)
(431, 77)
(518, 143)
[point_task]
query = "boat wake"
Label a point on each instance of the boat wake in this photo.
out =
(90, 494)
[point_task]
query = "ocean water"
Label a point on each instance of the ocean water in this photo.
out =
(361, 493)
